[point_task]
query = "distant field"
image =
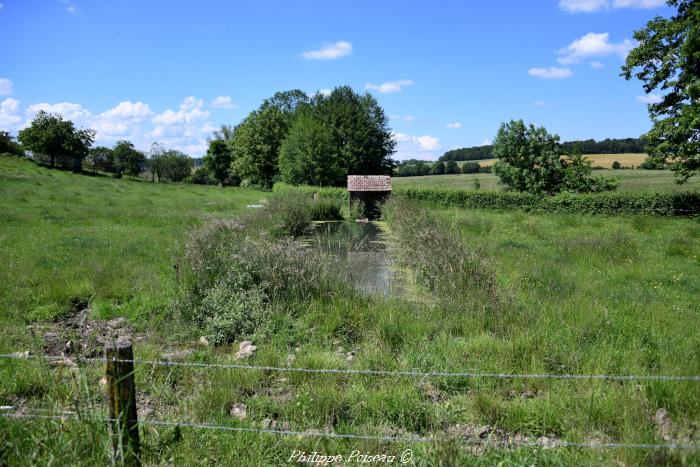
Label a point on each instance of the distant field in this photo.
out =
(597, 160)
(630, 180)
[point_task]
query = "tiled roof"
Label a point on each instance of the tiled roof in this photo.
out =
(369, 183)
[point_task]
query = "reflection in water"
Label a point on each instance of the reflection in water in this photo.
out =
(365, 250)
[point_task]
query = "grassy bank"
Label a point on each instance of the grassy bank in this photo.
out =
(500, 292)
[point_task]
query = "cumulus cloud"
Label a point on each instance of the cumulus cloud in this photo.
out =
(591, 6)
(454, 125)
(5, 86)
(389, 86)
(69, 110)
(486, 142)
(222, 102)
(415, 147)
(190, 110)
(128, 110)
(649, 99)
(9, 114)
(324, 92)
(593, 45)
(329, 51)
(425, 142)
(550, 73)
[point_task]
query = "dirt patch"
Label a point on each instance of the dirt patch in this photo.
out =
(79, 335)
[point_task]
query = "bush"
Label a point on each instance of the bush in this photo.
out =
(470, 168)
(659, 204)
(616, 165)
(652, 164)
(230, 314)
(202, 176)
(289, 213)
(326, 209)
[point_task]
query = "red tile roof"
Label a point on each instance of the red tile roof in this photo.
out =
(369, 183)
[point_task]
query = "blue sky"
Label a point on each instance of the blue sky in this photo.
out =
(447, 73)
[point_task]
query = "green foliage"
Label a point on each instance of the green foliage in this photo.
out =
(470, 168)
(653, 163)
(616, 165)
(412, 168)
(218, 161)
(54, 140)
(308, 156)
(326, 209)
(8, 145)
(658, 204)
(230, 313)
(477, 184)
(202, 176)
(667, 59)
(100, 158)
(438, 168)
(335, 193)
(451, 167)
(289, 212)
(128, 159)
(529, 161)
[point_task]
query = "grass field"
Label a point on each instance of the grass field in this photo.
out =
(630, 180)
(570, 294)
(597, 160)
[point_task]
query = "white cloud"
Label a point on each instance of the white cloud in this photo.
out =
(69, 110)
(649, 99)
(389, 86)
(596, 64)
(591, 6)
(9, 114)
(128, 110)
(190, 110)
(454, 125)
(324, 92)
(585, 6)
(415, 147)
(593, 45)
(539, 103)
(486, 142)
(329, 51)
(646, 4)
(403, 118)
(5, 86)
(550, 73)
(222, 102)
(425, 142)
(72, 9)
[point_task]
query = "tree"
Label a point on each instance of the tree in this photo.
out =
(530, 160)
(224, 133)
(307, 155)
(49, 136)
(360, 132)
(157, 161)
(438, 168)
(128, 159)
(178, 166)
(100, 158)
(667, 59)
(218, 160)
(470, 167)
(451, 167)
(8, 145)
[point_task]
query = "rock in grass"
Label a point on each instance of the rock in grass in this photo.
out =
(238, 410)
(245, 350)
(204, 341)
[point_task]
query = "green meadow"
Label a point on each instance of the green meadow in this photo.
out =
(492, 292)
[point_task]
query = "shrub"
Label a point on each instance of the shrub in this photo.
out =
(477, 184)
(470, 168)
(230, 314)
(326, 209)
(202, 176)
(652, 164)
(616, 165)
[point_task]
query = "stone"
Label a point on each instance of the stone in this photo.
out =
(204, 341)
(245, 350)
(238, 410)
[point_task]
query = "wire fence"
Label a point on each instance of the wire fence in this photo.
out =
(369, 372)
(29, 414)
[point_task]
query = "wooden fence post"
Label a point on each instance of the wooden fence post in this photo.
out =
(122, 402)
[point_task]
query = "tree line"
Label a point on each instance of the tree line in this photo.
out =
(588, 146)
(417, 168)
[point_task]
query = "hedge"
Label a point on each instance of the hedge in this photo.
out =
(658, 204)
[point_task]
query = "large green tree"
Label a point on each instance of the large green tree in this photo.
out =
(100, 158)
(51, 138)
(218, 160)
(127, 159)
(360, 131)
(667, 59)
(307, 155)
(530, 160)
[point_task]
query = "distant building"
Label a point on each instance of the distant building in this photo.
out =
(372, 190)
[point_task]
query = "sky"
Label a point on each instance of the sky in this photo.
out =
(447, 73)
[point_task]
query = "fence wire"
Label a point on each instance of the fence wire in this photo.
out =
(369, 372)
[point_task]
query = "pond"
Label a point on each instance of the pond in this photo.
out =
(365, 249)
